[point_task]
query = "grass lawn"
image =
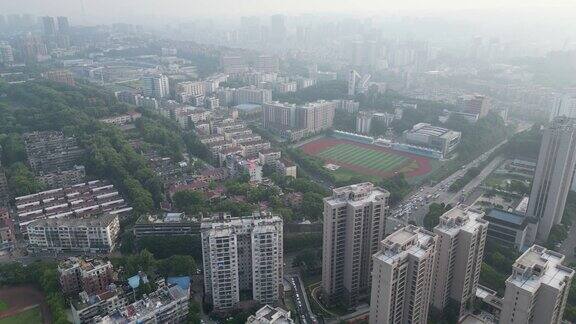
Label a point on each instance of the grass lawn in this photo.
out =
(30, 316)
(3, 305)
(364, 157)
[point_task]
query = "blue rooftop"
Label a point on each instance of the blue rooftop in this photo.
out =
(502, 215)
(182, 282)
(134, 281)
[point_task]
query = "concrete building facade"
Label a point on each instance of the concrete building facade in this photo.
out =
(537, 290)
(92, 276)
(156, 86)
(354, 221)
(94, 235)
(242, 253)
(553, 176)
(402, 277)
(437, 138)
(461, 239)
(307, 119)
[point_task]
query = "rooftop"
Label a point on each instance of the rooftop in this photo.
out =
(506, 218)
(165, 218)
(411, 240)
(540, 266)
(270, 315)
(153, 303)
(429, 130)
(460, 218)
(84, 263)
(97, 221)
(356, 193)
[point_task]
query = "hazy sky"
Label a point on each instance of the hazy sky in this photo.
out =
(185, 8)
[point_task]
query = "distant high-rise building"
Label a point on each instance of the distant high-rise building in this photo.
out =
(242, 254)
(354, 220)
(363, 122)
(49, 26)
(250, 29)
(537, 290)
(252, 95)
(233, 64)
(402, 277)
(564, 105)
(32, 48)
(156, 86)
(357, 83)
(60, 76)
(461, 238)
(553, 175)
(278, 27)
(266, 63)
(6, 53)
(296, 121)
(63, 25)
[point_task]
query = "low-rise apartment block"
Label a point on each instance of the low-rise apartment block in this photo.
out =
(80, 200)
(7, 238)
(168, 304)
(270, 315)
(51, 151)
(166, 224)
(80, 274)
(90, 309)
(122, 120)
(95, 234)
(63, 178)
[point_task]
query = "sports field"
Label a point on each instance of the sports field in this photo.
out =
(366, 159)
(23, 305)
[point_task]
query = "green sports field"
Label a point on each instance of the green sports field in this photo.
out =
(363, 157)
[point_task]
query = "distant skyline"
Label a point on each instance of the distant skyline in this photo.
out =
(228, 8)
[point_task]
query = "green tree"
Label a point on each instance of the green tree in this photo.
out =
(312, 205)
(12, 149)
(163, 247)
(21, 180)
(189, 201)
(193, 312)
(435, 210)
(177, 265)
